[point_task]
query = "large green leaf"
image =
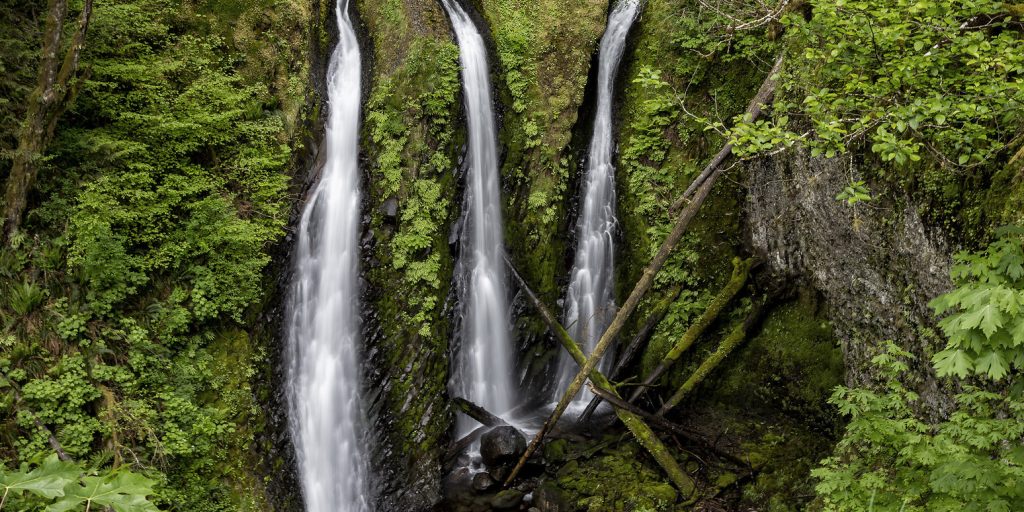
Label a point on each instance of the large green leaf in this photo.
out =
(953, 362)
(125, 492)
(988, 318)
(992, 363)
(47, 480)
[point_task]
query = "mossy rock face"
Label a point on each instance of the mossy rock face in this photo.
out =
(410, 140)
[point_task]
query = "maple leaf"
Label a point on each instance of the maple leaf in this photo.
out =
(124, 492)
(47, 480)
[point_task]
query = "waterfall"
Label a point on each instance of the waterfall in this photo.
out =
(590, 301)
(483, 367)
(327, 417)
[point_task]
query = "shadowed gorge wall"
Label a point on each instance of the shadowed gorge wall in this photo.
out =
(411, 139)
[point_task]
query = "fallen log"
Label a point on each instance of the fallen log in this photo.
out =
(626, 357)
(735, 338)
(640, 430)
(481, 415)
(740, 273)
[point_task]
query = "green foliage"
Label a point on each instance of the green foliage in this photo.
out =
(985, 313)
(417, 183)
(889, 459)
(158, 202)
(935, 77)
(855, 192)
(62, 486)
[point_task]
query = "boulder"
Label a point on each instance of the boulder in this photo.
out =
(483, 481)
(502, 445)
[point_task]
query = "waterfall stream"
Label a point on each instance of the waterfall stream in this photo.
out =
(483, 367)
(327, 416)
(590, 301)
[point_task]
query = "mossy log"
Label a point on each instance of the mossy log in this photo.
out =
(483, 416)
(740, 273)
(631, 350)
(735, 338)
(636, 425)
(692, 206)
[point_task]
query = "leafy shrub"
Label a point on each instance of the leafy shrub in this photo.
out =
(985, 313)
(889, 459)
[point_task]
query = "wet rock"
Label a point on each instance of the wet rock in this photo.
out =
(455, 234)
(548, 498)
(502, 445)
(483, 481)
(507, 499)
(500, 473)
(459, 477)
(390, 208)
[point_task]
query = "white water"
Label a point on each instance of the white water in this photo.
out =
(590, 302)
(483, 371)
(327, 417)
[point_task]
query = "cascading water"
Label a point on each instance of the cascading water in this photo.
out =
(327, 417)
(590, 302)
(483, 371)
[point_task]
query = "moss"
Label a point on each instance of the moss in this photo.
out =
(792, 365)
(615, 480)
(783, 454)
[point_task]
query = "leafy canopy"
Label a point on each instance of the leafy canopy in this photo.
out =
(912, 77)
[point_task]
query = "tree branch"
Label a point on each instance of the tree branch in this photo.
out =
(640, 430)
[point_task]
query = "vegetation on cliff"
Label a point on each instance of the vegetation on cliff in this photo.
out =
(135, 291)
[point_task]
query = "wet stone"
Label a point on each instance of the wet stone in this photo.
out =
(390, 208)
(502, 445)
(483, 481)
(507, 499)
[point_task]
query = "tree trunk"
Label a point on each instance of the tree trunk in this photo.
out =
(46, 103)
